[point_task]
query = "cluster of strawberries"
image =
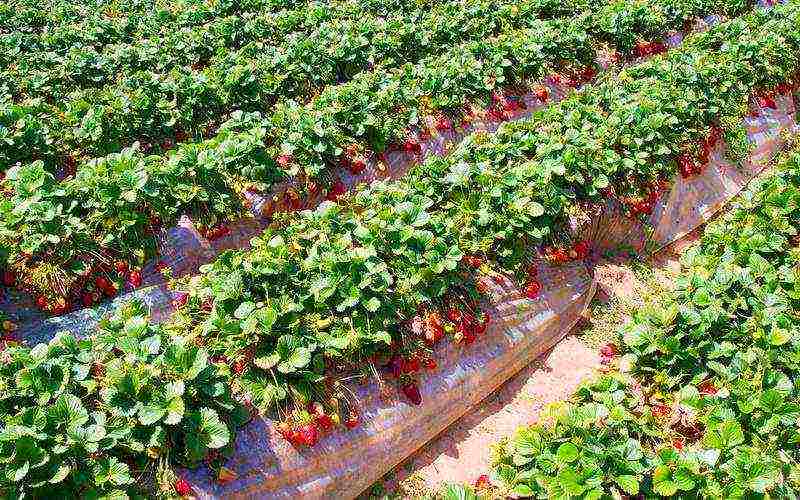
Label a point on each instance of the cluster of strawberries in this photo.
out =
(687, 166)
(562, 255)
(214, 232)
(644, 48)
(305, 427)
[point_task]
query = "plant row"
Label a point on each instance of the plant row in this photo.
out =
(708, 403)
(191, 100)
(64, 63)
(350, 279)
(376, 281)
(59, 235)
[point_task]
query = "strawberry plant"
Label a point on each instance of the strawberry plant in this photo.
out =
(85, 417)
(708, 407)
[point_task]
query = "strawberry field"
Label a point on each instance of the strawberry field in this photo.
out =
(252, 235)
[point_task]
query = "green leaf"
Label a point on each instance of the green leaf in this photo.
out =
(628, 483)
(567, 453)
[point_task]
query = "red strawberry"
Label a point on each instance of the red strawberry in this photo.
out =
(309, 434)
(182, 487)
(411, 365)
(102, 283)
(677, 443)
(767, 102)
(482, 482)
(351, 422)
(337, 190)
(239, 367)
(532, 289)
(660, 411)
(284, 160)
(541, 92)
(608, 351)
(121, 266)
(412, 393)
(135, 279)
(285, 430)
(42, 302)
(87, 299)
(707, 388)
(454, 315)
(325, 422)
(180, 300)
(111, 290)
(9, 278)
(430, 364)
(443, 124)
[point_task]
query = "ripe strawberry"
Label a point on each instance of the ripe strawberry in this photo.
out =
(430, 364)
(121, 266)
(135, 279)
(767, 102)
(482, 482)
(412, 393)
(180, 300)
(660, 411)
(351, 422)
(357, 166)
(677, 443)
(308, 434)
(87, 299)
(454, 315)
(433, 330)
(608, 351)
(325, 422)
(239, 367)
(111, 290)
(482, 287)
(102, 283)
(532, 289)
(410, 365)
(588, 73)
(42, 303)
(443, 124)
(9, 278)
(541, 92)
(182, 487)
(284, 160)
(337, 189)
(285, 430)
(707, 388)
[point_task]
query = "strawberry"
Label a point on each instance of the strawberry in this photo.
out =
(180, 300)
(337, 190)
(309, 434)
(87, 299)
(102, 283)
(357, 166)
(443, 124)
(532, 289)
(482, 287)
(410, 365)
(430, 364)
(325, 422)
(677, 443)
(111, 290)
(707, 388)
(239, 367)
(396, 366)
(608, 351)
(285, 430)
(412, 393)
(588, 73)
(42, 303)
(541, 92)
(135, 279)
(284, 160)
(352, 421)
(182, 487)
(121, 266)
(767, 102)
(9, 278)
(660, 411)
(482, 482)
(433, 330)
(582, 249)
(454, 315)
